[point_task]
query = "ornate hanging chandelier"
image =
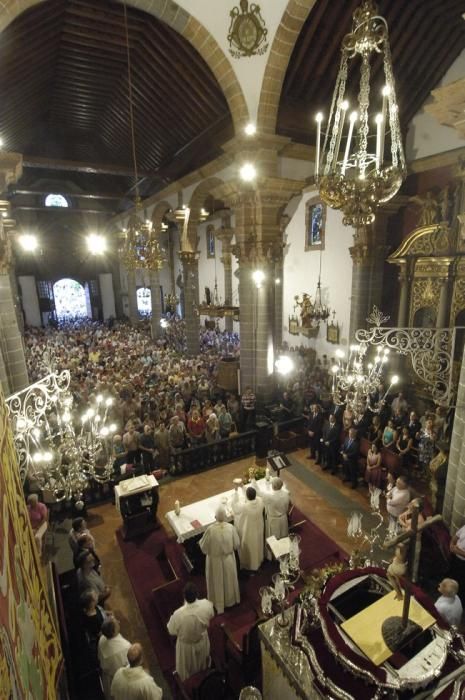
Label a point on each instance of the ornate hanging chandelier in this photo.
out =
(61, 451)
(352, 171)
(140, 248)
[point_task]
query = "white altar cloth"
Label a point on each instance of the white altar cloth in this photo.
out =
(196, 517)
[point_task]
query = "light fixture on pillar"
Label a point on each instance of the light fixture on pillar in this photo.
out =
(96, 244)
(258, 277)
(248, 172)
(140, 247)
(351, 170)
(28, 242)
(179, 214)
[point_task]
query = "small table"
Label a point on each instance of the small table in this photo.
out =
(136, 499)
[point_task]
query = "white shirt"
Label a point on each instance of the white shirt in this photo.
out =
(112, 655)
(397, 503)
(450, 608)
(460, 534)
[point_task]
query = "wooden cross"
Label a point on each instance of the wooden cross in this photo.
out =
(413, 555)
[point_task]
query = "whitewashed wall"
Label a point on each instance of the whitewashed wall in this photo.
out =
(426, 136)
(301, 272)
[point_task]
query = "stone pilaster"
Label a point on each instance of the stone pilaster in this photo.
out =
(454, 498)
(132, 297)
(190, 268)
(404, 283)
(13, 369)
(156, 329)
(225, 235)
(443, 306)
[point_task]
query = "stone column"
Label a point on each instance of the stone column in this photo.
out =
(225, 235)
(190, 268)
(132, 297)
(156, 329)
(13, 369)
(454, 498)
(402, 316)
(360, 288)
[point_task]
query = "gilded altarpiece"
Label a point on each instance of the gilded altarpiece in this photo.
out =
(30, 653)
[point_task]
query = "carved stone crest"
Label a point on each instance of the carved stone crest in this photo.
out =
(247, 31)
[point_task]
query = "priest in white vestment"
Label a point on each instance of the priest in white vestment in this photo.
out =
(218, 544)
(276, 503)
(133, 682)
(112, 652)
(189, 624)
(249, 521)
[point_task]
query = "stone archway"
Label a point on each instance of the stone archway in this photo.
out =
(159, 211)
(190, 28)
(289, 29)
(189, 234)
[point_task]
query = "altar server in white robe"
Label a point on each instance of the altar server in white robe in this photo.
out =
(248, 517)
(189, 624)
(133, 682)
(112, 652)
(218, 544)
(276, 508)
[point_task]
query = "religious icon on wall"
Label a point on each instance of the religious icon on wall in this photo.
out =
(210, 242)
(332, 333)
(315, 220)
(293, 325)
(247, 31)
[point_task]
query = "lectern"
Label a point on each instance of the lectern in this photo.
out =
(137, 501)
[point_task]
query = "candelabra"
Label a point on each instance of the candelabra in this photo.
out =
(58, 449)
(363, 537)
(289, 573)
(358, 386)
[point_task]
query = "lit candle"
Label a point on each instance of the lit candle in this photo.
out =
(352, 120)
(386, 91)
(342, 116)
(379, 121)
(319, 119)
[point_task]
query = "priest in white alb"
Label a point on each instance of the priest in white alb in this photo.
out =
(276, 502)
(112, 652)
(218, 544)
(189, 624)
(248, 517)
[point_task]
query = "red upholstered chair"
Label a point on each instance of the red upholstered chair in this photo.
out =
(242, 649)
(204, 685)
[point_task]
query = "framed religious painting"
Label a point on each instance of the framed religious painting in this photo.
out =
(210, 241)
(315, 223)
(293, 325)
(332, 333)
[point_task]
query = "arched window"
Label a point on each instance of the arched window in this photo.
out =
(56, 200)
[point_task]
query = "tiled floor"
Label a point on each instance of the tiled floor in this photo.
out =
(320, 496)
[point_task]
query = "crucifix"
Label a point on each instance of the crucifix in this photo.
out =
(396, 630)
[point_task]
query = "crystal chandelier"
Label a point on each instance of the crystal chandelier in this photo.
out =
(58, 449)
(140, 248)
(352, 172)
(358, 385)
(319, 312)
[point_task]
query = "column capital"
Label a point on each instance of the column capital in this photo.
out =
(189, 257)
(264, 190)
(11, 168)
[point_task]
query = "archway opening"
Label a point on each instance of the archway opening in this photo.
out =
(144, 301)
(70, 300)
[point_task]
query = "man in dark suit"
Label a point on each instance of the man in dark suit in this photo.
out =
(331, 443)
(350, 454)
(414, 426)
(315, 428)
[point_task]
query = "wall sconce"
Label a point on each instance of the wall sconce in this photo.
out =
(258, 277)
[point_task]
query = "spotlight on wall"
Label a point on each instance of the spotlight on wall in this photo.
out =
(28, 242)
(163, 323)
(258, 277)
(96, 244)
(277, 281)
(250, 129)
(248, 172)
(284, 365)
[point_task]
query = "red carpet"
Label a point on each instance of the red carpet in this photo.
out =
(146, 561)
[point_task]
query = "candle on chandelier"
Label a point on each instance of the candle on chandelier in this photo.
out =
(379, 122)
(385, 92)
(319, 119)
(343, 110)
(352, 119)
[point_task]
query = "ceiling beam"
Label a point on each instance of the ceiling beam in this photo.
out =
(73, 195)
(79, 167)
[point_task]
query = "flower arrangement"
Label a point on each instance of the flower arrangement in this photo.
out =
(318, 578)
(255, 472)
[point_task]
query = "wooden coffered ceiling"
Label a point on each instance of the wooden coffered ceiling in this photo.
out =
(426, 36)
(64, 87)
(64, 93)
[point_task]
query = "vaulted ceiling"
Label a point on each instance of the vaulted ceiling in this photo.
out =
(64, 87)
(426, 36)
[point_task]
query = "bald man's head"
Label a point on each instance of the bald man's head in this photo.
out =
(220, 514)
(276, 483)
(135, 655)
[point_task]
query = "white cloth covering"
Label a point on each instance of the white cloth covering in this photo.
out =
(190, 625)
(218, 544)
(134, 684)
(248, 518)
(112, 655)
(450, 608)
(276, 509)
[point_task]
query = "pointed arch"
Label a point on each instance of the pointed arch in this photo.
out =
(159, 211)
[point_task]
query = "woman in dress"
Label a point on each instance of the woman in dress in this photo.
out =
(375, 432)
(389, 435)
(426, 441)
(373, 472)
(404, 446)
